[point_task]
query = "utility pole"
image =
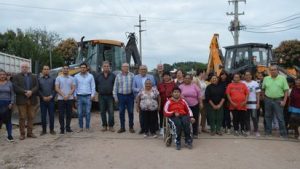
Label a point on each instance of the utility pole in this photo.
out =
(140, 33)
(235, 25)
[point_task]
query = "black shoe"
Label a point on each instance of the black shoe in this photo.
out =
(43, 133)
(10, 139)
(69, 131)
(121, 130)
(189, 145)
(141, 132)
(52, 132)
(131, 130)
(62, 132)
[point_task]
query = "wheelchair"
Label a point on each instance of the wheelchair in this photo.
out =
(169, 134)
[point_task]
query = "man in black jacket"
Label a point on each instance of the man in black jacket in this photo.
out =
(104, 85)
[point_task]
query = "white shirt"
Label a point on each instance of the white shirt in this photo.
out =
(85, 84)
(254, 89)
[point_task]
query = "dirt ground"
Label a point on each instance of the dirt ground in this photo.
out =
(106, 150)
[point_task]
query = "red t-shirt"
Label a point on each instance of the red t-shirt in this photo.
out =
(238, 93)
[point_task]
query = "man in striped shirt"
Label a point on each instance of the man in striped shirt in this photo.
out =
(123, 95)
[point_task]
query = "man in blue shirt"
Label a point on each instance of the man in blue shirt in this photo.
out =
(84, 93)
(138, 84)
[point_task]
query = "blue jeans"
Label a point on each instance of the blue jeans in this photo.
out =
(6, 116)
(84, 104)
(106, 105)
(47, 108)
(126, 101)
(272, 107)
(65, 109)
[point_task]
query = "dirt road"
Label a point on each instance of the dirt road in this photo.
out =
(98, 150)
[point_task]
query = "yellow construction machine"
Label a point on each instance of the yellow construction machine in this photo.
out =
(256, 57)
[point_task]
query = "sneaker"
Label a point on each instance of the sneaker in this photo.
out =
(52, 132)
(145, 135)
(189, 145)
(228, 131)
(257, 134)
(31, 135)
(204, 131)
(104, 129)
(243, 133)
(121, 130)
(10, 139)
(131, 130)
(178, 146)
(80, 130)
(22, 137)
(154, 135)
(219, 133)
(161, 131)
(88, 130)
(62, 132)
(111, 129)
(195, 136)
(236, 133)
(43, 133)
(141, 132)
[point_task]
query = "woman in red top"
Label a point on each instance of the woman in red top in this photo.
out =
(237, 93)
(165, 91)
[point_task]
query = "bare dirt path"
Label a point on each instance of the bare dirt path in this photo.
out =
(108, 150)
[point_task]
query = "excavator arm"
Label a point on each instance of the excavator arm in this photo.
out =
(215, 60)
(132, 50)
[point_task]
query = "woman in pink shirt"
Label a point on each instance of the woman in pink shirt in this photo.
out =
(192, 95)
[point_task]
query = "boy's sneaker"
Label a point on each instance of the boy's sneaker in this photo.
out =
(10, 139)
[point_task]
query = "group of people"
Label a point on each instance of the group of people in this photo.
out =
(187, 101)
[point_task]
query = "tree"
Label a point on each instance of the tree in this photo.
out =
(288, 53)
(188, 66)
(67, 49)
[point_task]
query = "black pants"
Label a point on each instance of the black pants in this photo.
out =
(150, 121)
(239, 119)
(65, 109)
(181, 123)
(226, 118)
(196, 111)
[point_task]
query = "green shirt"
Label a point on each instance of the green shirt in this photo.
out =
(275, 87)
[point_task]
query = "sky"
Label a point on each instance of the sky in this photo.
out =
(176, 30)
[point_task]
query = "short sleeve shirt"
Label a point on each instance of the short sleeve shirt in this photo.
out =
(148, 100)
(275, 87)
(254, 89)
(65, 85)
(237, 93)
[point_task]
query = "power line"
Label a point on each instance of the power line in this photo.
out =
(276, 21)
(153, 19)
(273, 27)
(283, 30)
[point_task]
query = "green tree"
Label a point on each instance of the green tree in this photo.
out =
(67, 49)
(288, 53)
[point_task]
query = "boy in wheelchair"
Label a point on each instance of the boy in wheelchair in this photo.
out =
(179, 117)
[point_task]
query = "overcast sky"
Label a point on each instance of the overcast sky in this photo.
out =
(176, 30)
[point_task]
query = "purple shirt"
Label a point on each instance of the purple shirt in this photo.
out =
(191, 93)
